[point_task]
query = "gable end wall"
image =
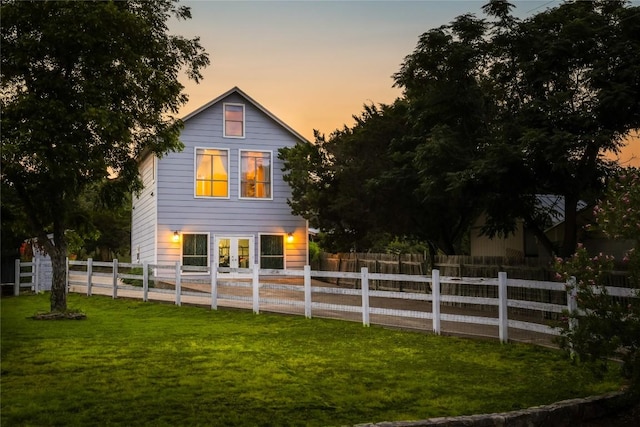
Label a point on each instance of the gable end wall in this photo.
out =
(179, 209)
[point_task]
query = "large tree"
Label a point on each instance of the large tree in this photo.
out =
(449, 114)
(416, 181)
(86, 88)
(494, 112)
(532, 106)
(574, 95)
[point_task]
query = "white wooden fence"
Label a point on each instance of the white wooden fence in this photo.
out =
(28, 270)
(507, 312)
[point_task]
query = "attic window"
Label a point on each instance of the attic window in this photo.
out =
(234, 120)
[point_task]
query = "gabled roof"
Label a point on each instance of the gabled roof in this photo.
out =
(553, 206)
(252, 101)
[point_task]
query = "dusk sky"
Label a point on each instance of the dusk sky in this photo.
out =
(314, 64)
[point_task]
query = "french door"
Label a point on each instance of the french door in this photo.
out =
(233, 252)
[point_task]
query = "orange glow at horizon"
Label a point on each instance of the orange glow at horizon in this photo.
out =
(629, 154)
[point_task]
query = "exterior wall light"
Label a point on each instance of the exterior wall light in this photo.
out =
(289, 237)
(176, 236)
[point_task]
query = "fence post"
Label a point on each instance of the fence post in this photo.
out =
(115, 279)
(435, 301)
(502, 307)
(178, 283)
(401, 284)
(35, 271)
(214, 285)
(376, 266)
(572, 300)
(307, 291)
(67, 285)
(89, 275)
(145, 281)
(364, 272)
(256, 289)
(16, 283)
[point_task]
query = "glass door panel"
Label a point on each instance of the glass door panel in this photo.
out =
(224, 252)
(244, 254)
(234, 252)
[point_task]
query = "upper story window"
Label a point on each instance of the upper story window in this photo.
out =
(255, 174)
(212, 173)
(234, 120)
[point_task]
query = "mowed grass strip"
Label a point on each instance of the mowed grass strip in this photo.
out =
(134, 363)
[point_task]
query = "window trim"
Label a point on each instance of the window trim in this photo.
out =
(284, 248)
(206, 233)
(224, 120)
(270, 152)
(195, 173)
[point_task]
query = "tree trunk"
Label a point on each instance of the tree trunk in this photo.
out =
(570, 225)
(59, 281)
(446, 246)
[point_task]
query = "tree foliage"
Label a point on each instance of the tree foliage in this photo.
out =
(576, 94)
(337, 181)
(448, 114)
(494, 111)
(102, 229)
(86, 88)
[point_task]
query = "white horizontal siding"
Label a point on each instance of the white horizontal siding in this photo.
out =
(143, 216)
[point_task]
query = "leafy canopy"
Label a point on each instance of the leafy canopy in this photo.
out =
(337, 182)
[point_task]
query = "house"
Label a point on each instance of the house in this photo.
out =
(523, 242)
(222, 198)
(524, 246)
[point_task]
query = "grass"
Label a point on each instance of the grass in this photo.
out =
(135, 363)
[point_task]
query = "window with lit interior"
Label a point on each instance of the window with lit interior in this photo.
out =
(212, 173)
(255, 174)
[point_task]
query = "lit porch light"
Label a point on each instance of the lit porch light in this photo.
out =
(289, 237)
(176, 236)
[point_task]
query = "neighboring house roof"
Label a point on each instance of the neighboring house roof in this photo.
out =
(237, 90)
(554, 207)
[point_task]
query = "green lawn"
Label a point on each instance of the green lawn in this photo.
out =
(134, 363)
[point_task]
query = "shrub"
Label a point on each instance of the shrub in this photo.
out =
(606, 326)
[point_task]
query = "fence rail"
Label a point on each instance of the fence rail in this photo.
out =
(503, 308)
(24, 270)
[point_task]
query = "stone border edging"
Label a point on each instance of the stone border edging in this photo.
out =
(563, 413)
